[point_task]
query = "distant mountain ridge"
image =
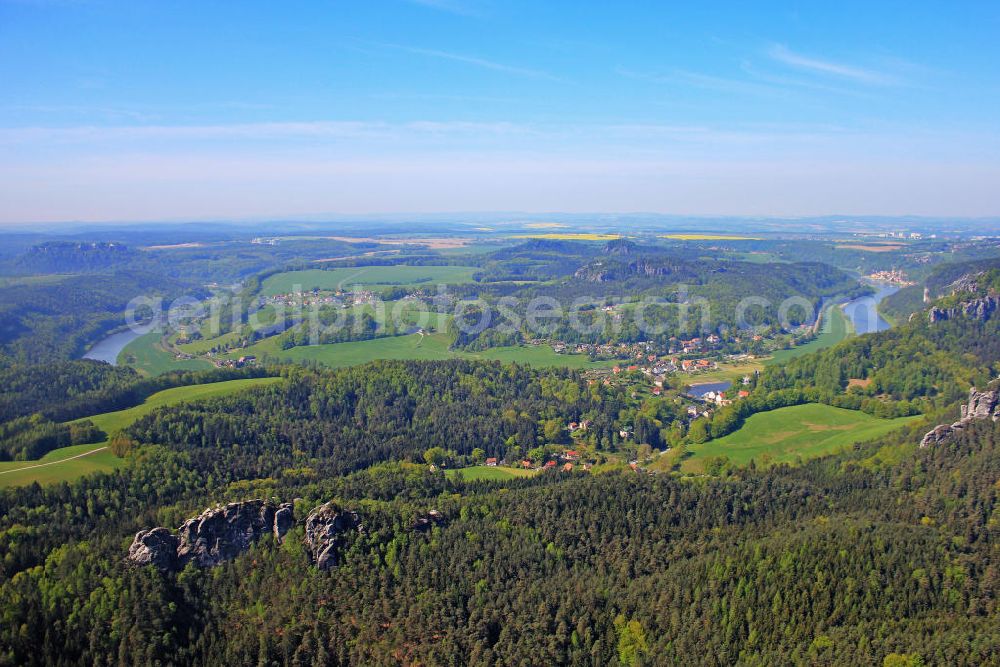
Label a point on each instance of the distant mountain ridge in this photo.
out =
(74, 256)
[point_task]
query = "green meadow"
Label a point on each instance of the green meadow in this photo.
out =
(147, 355)
(835, 329)
(430, 347)
(787, 435)
(69, 463)
(372, 277)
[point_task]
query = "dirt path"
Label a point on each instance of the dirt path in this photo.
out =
(52, 463)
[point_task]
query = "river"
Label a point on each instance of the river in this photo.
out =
(863, 312)
(109, 348)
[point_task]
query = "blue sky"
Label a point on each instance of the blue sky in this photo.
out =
(146, 110)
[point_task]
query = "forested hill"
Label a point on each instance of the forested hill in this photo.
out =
(718, 295)
(54, 320)
(932, 358)
(74, 257)
(938, 283)
(836, 562)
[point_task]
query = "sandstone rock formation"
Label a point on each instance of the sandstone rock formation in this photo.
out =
(157, 546)
(981, 405)
(217, 535)
(223, 533)
(325, 529)
(976, 307)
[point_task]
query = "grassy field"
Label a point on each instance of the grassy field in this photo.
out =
(203, 345)
(569, 236)
(432, 347)
(732, 372)
(786, 434)
(46, 279)
(758, 257)
(489, 473)
(835, 329)
(71, 462)
(537, 355)
(709, 237)
(368, 276)
(147, 356)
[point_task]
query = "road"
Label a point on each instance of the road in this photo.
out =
(52, 463)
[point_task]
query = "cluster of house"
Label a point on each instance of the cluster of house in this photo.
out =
(719, 397)
(300, 299)
(315, 297)
(637, 350)
(693, 345)
(895, 276)
(568, 460)
(247, 360)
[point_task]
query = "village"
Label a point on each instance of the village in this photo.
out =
(892, 277)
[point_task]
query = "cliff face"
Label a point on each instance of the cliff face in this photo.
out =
(224, 533)
(157, 546)
(982, 308)
(979, 307)
(216, 535)
(326, 527)
(981, 405)
(606, 271)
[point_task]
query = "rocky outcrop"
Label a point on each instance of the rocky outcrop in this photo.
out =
(326, 528)
(222, 533)
(981, 304)
(427, 521)
(216, 535)
(620, 247)
(157, 546)
(981, 405)
(976, 309)
(602, 271)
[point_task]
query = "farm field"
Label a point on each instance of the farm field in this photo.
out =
(203, 345)
(787, 434)
(569, 236)
(759, 257)
(709, 237)
(490, 473)
(429, 347)
(72, 462)
(146, 355)
(369, 276)
(59, 465)
(732, 372)
(413, 315)
(538, 355)
(45, 279)
(835, 329)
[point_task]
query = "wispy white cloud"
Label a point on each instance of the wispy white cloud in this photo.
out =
(699, 80)
(461, 7)
(773, 79)
(472, 60)
(786, 56)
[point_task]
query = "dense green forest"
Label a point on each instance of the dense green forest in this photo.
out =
(834, 562)
(56, 320)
